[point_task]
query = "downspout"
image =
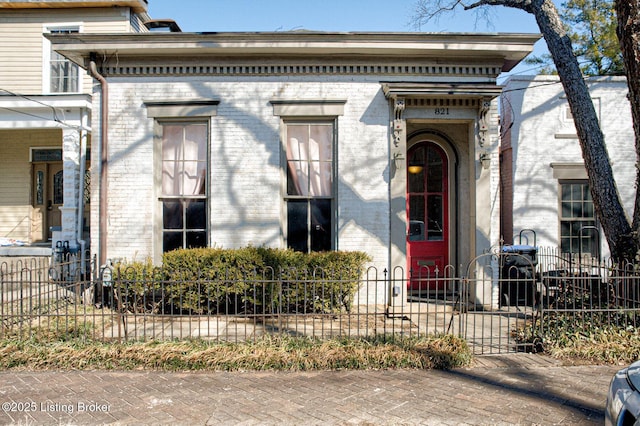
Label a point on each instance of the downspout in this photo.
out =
(102, 208)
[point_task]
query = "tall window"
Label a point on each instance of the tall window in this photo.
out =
(578, 232)
(184, 183)
(310, 194)
(64, 76)
(426, 190)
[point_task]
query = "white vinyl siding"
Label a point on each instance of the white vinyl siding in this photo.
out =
(15, 178)
(22, 44)
(21, 52)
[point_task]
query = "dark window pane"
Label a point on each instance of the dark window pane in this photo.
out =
(416, 230)
(415, 177)
(58, 189)
(416, 208)
(171, 241)
(40, 188)
(415, 180)
(586, 229)
(575, 228)
(574, 244)
(576, 210)
(320, 225)
(434, 167)
(418, 156)
(47, 155)
(297, 228)
(434, 213)
(196, 214)
(588, 210)
(576, 192)
(196, 239)
(587, 193)
(172, 215)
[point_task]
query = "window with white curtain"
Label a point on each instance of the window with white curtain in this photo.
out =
(310, 185)
(184, 184)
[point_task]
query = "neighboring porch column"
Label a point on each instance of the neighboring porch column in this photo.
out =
(398, 219)
(71, 176)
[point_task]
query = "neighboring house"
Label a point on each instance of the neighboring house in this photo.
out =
(379, 142)
(544, 181)
(45, 119)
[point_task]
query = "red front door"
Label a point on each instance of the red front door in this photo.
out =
(427, 216)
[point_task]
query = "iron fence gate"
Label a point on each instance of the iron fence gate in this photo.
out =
(500, 302)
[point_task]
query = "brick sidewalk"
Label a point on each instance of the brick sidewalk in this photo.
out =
(510, 389)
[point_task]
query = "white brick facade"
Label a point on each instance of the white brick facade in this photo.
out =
(387, 95)
(543, 134)
(245, 175)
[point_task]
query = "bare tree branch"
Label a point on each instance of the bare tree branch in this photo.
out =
(432, 10)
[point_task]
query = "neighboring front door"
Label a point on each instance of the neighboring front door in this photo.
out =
(427, 216)
(47, 199)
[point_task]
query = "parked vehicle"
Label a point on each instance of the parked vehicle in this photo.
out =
(623, 398)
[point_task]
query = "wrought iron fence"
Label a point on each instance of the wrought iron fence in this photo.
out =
(489, 302)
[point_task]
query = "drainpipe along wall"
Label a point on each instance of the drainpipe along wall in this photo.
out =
(102, 209)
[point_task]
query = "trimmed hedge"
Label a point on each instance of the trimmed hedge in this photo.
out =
(246, 280)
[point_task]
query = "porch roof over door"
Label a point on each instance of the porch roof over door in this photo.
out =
(441, 90)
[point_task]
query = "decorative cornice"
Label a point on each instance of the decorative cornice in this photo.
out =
(442, 102)
(503, 51)
(334, 69)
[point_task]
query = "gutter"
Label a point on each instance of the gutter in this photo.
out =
(102, 208)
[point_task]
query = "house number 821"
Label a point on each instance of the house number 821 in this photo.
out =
(442, 111)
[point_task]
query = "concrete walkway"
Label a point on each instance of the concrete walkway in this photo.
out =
(507, 389)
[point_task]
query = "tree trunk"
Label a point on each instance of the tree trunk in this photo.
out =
(628, 13)
(616, 226)
(605, 195)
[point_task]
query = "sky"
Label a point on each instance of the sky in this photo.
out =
(335, 15)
